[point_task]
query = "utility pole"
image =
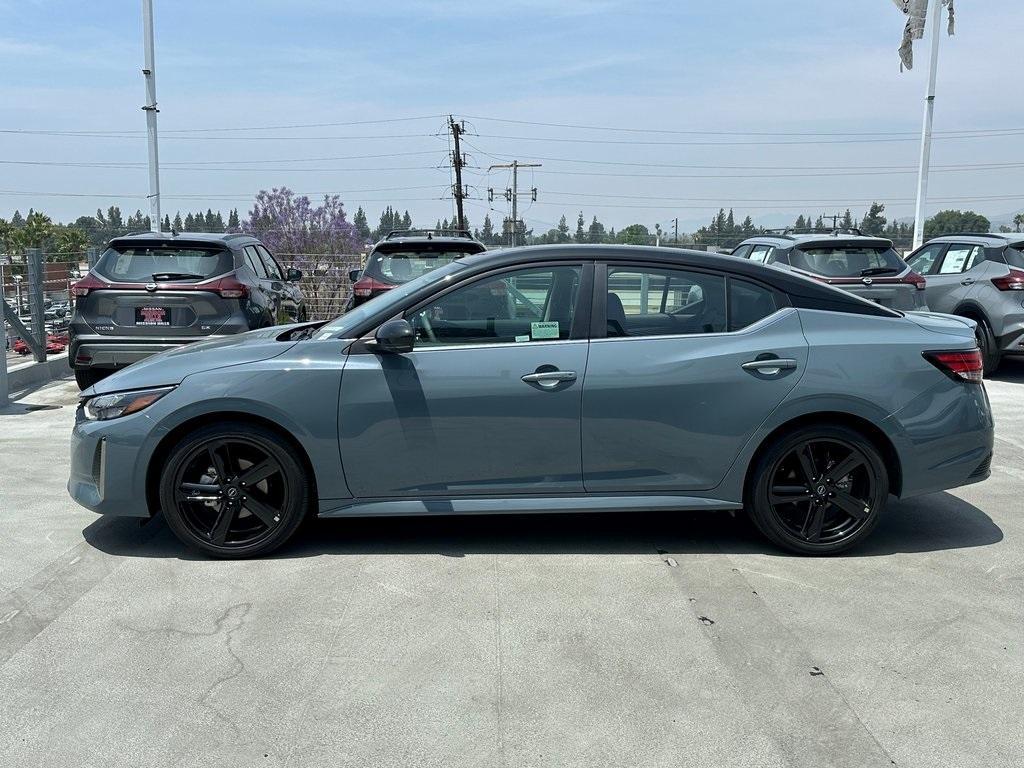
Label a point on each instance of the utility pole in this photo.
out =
(512, 194)
(934, 8)
(458, 161)
(675, 223)
(149, 72)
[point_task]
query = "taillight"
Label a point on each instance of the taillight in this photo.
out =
(364, 287)
(1011, 282)
(83, 286)
(230, 288)
(962, 365)
(915, 279)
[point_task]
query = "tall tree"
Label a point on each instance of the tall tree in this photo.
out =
(487, 231)
(361, 225)
(847, 221)
(955, 221)
(178, 224)
(635, 234)
(596, 233)
(874, 222)
(581, 233)
(233, 223)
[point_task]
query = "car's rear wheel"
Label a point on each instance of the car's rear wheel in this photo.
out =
(86, 377)
(989, 348)
(234, 490)
(819, 490)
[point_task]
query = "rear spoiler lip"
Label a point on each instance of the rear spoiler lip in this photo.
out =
(160, 285)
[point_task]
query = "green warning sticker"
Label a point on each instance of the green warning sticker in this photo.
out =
(548, 330)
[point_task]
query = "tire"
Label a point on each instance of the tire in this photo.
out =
(990, 356)
(234, 518)
(86, 377)
(850, 504)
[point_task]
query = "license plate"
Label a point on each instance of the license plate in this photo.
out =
(151, 316)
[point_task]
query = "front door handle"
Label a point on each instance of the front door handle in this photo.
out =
(549, 379)
(771, 366)
(967, 281)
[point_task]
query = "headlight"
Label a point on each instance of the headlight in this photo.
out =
(103, 407)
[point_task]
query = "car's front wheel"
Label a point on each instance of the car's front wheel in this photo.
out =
(234, 490)
(818, 490)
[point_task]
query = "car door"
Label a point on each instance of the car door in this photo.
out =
(286, 309)
(260, 306)
(948, 285)
(683, 376)
(489, 400)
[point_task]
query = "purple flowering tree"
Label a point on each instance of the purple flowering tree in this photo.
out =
(318, 239)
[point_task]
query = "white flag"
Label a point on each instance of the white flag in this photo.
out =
(916, 11)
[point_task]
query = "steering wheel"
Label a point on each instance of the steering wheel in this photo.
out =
(427, 327)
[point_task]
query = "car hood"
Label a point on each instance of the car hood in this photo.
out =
(950, 325)
(173, 366)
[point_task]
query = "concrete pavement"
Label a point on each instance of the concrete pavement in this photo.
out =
(588, 640)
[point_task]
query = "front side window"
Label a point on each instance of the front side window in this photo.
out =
(509, 308)
(255, 263)
(273, 270)
(146, 264)
(742, 252)
(922, 261)
(664, 302)
(959, 258)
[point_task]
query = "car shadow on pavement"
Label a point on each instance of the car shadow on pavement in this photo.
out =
(1011, 369)
(930, 523)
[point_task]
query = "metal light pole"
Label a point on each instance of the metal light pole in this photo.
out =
(934, 13)
(149, 72)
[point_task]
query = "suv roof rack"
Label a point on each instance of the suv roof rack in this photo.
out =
(786, 231)
(428, 233)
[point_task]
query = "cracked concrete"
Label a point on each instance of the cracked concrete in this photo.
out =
(616, 640)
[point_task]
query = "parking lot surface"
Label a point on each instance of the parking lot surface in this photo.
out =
(569, 640)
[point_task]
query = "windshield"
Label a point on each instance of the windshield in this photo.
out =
(1015, 255)
(404, 264)
(847, 261)
(145, 264)
(342, 325)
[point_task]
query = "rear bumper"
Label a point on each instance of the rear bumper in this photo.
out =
(1011, 337)
(118, 352)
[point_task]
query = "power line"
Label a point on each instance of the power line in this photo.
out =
(125, 135)
(634, 142)
(244, 128)
(714, 132)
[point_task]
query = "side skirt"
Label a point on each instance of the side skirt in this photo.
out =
(518, 505)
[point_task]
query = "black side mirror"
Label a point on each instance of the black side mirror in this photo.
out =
(395, 336)
(293, 275)
(353, 274)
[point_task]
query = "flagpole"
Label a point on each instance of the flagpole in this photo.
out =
(934, 13)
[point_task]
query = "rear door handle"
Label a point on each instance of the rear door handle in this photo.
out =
(549, 379)
(967, 281)
(770, 367)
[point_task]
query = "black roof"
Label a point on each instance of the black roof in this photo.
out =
(805, 292)
(208, 238)
(439, 236)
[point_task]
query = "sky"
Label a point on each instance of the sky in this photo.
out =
(771, 108)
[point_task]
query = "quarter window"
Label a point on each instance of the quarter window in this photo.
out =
(273, 270)
(748, 303)
(514, 307)
(761, 253)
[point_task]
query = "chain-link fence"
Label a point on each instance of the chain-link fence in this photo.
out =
(325, 280)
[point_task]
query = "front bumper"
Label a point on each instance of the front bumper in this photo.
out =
(104, 457)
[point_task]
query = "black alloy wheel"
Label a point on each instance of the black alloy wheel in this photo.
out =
(233, 490)
(989, 347)
(819, 490)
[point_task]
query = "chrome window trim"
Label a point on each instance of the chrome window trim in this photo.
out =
(766, 320)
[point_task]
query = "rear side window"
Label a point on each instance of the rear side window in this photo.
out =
(960, 258)
(761, 253)
(273, 270)
(255, 263)
(145, 264)
(846, 261)
(664, 302)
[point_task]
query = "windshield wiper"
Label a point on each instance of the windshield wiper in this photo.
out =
(177, 276)
(879, 271)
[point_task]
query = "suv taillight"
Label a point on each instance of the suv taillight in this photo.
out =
(915, 279)
(364, 287)
(1011, 282)
(959, 365)
(231, 288)
(83, 286)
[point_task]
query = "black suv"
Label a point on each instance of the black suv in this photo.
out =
(864, 265)
(404, 254)
(155, 291)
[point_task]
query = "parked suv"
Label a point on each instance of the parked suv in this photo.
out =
(154, 291)
(979, 276)
(404, 254)
(866, 266)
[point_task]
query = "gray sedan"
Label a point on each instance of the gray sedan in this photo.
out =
(550, 379)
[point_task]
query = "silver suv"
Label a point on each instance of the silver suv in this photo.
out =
(866, 266)
(979, 276)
